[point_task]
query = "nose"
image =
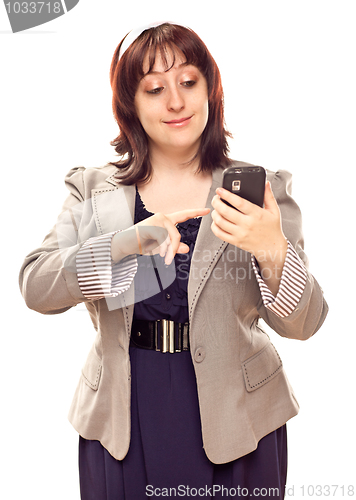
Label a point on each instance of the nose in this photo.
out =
(175, 101)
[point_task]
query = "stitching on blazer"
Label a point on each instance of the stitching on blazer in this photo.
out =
(124, 310)
(270, 375)
(96, 215)
(206, 272)
(96, 208)
(95, 385)
(104, 190)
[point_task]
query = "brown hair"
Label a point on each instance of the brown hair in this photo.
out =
(125, 75)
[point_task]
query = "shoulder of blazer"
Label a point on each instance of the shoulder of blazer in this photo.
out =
(81, 181)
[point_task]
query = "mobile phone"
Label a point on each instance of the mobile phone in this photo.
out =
(247, 182)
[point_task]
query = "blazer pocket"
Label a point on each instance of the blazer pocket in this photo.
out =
(91, 371)
(261, 368)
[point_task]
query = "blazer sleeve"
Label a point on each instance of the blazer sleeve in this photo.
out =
(48, 277)
(291, 284)
(310, 312)
(98, 276)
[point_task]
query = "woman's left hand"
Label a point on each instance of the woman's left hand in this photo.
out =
(254, 229)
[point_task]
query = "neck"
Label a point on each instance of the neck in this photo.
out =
(171, 163)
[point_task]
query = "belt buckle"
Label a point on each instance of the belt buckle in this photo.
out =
(167, 336)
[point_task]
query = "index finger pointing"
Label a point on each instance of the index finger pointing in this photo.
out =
(184, 215)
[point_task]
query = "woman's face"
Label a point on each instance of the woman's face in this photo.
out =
(172, 106)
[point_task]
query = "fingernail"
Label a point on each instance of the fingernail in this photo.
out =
(219, 191)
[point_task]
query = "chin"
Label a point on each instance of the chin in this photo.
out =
(181, 143)
(186, 148)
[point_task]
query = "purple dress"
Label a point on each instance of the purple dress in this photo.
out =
(166, 455)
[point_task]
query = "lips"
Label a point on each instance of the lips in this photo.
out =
(180, 122)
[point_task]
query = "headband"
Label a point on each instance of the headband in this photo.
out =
(132, 35)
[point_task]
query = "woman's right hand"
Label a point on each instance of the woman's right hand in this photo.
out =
(156, 234)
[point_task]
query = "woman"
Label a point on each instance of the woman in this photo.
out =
(183, 393)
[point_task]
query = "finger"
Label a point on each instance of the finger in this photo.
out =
(164, 247)
(174, 241)
(222, 235)
(244, 206)
(169, 256)
(164, 241)
(183, 248)
(154, 248)
(229, 213)
(174, 244)
(184, 215)
(269, 199)
(224, 224)
(164, 238)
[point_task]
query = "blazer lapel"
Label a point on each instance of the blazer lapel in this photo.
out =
(207, 250)
(113, 207)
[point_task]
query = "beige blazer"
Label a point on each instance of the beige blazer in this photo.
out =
(243, 390)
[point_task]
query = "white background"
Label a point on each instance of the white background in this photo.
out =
(288, 70)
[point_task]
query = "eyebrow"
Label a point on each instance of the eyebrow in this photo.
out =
(152, 72)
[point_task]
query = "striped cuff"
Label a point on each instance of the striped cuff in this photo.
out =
(291, 287)
(97, 276)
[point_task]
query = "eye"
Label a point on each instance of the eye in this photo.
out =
(155, 91)
(189, 83)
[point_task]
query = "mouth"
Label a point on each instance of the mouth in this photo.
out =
(180, 122)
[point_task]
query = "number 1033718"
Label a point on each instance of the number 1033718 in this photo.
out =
(331, 490)
(34, 7)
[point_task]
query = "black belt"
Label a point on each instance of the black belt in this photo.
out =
(162, 335)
